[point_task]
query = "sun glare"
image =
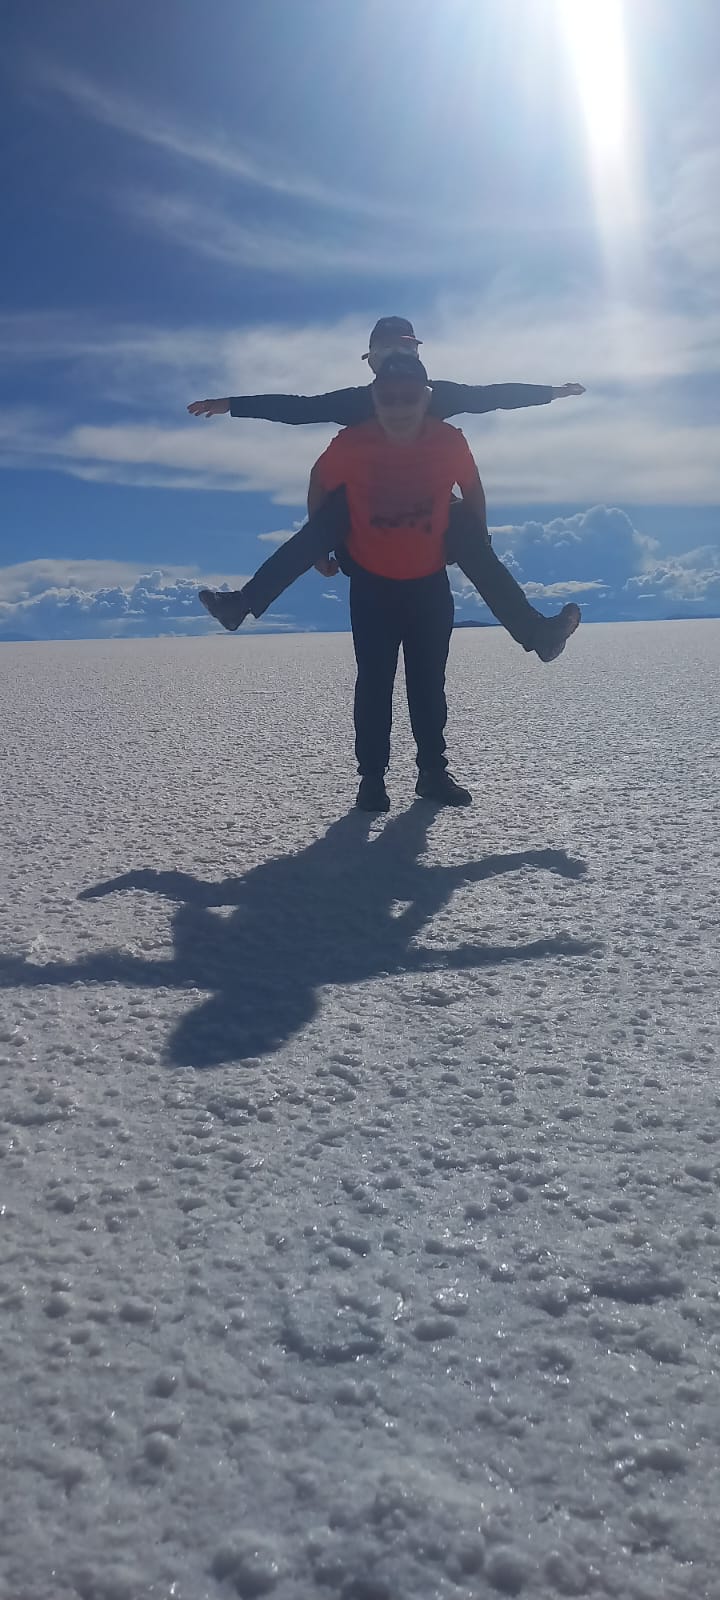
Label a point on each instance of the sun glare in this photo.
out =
(595, 40)
(593, 36)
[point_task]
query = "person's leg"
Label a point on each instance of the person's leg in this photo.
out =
(426, 639)
(376, 637)
(427, 626)
(317, 537)
(468, 545)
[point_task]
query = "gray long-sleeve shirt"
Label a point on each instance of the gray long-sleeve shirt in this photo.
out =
(348, 406)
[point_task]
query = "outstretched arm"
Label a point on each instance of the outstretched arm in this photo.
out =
(452, 399)
(344, 406)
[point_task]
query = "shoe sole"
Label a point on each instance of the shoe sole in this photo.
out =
(207, 599)
(452, 805)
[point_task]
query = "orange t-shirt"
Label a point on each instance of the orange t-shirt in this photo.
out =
(398, 493)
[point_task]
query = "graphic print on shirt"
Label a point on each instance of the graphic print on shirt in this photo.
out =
(401, 497)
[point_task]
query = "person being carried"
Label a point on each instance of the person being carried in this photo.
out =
(466, 545)
(397, 472)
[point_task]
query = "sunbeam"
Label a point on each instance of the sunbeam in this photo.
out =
(594, 37)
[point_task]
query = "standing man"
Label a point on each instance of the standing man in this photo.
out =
(474, 554)
(397, 473)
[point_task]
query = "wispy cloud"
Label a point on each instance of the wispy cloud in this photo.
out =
(571, 452)
(352, 233)
(687, 223)
(209, 231)
(92, 359)
(493, 336)
(678, 219)
(216, 154)
(638, 435)
(280, 537)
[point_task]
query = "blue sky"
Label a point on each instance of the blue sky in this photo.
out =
(223, 200)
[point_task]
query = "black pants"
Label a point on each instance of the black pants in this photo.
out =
(386, 613)
(466, 543)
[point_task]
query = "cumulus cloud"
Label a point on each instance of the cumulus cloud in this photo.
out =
(597, 557)
(597, 545)
(691, 580)
(92, 599)
(25, 579)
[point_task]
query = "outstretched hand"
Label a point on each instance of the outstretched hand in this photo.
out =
(209, 408)
(568, 388)
(328, 566)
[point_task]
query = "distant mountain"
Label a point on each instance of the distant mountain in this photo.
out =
(690, 616)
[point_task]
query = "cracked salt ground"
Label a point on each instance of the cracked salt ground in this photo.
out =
(359, 1178)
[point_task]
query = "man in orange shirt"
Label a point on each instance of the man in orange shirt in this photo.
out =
(327, 531)
(397, 472)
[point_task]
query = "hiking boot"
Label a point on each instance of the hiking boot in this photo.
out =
(440, 786)
(554, 632)
(225, 605)
(372, 794)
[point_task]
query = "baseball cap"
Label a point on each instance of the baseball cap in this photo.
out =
(402, 364)
(392, 328)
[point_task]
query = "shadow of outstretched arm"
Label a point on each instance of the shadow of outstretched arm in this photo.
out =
(485, 955)
(179, 886)
(109, 966)
(440, 883)
(557, 861)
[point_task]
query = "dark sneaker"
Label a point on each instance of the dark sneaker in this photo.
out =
(225, 605)
(554, 632)
(442, 787)
(372, 795)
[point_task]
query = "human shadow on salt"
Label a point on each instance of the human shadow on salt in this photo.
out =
(346, 909)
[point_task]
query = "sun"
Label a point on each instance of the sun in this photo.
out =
(594, 37)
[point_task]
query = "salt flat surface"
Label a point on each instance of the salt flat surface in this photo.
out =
(359, 1177)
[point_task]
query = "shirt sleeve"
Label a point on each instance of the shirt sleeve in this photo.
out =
(343, 406)
(466, 472)
(330, 468)
(454, 399)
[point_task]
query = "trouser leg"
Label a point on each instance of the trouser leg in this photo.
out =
(468, 545)
(376, 637)
(317, 537)
(427, 627)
